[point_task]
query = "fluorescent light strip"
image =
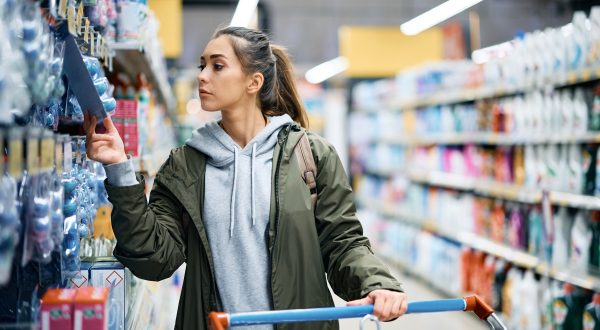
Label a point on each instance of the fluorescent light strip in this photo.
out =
(326, 70)
(436, 15)
(243, 13)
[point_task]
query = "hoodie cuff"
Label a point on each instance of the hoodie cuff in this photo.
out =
(121, 174)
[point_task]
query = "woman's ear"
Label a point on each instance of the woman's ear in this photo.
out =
(256, 82)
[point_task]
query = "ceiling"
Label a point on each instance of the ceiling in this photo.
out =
(309, 28)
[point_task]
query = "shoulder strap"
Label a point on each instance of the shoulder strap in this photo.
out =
(308, 168)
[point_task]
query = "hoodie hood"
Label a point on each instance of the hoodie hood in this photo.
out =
(220, 148)
(222, 152)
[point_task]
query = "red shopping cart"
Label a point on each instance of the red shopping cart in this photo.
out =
(222, 321)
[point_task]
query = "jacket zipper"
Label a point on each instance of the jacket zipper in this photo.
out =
(283, 143)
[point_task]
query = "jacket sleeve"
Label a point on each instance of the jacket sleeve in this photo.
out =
(352, 268)
(149, 234)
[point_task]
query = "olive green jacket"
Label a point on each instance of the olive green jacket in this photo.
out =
(154, 238)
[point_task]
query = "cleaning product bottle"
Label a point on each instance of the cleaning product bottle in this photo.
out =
(589, 154)
(580, 117)
(575, 170)
(567, 112)
(516, 231)
(591, 315)
(536, 231)
(519, 166)
(595, 111)
(594, 263)
(530, 307)
(562, 239)
(547, 294)
(500, 274)
(497, 219)
(566, 313)
(581, 239)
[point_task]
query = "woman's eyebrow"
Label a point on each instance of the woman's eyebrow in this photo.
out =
(213, 56)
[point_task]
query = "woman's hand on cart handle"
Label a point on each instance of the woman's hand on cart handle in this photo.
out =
(388, 305)
(106, 148)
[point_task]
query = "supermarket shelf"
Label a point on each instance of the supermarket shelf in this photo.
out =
(495, 189)
(132, 59)
(491, 139)
(572, 78)
(490, 247)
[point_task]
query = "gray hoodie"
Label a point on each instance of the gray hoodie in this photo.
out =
(236, 213)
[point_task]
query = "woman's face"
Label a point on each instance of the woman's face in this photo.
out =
(222, 82)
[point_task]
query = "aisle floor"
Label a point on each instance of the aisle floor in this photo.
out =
(416, 290)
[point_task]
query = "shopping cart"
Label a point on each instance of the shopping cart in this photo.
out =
(222, 321)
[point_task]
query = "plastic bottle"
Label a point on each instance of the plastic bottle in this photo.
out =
(562, 239)
(591, 315)
(575, 183)
(580, 117)
(536, 231)
(594, 262)
(498, 218)
(530, 306)
(581, 239)
(567, 112)
(517, 229)
(589, 154)
(595, 111)
(566, 313)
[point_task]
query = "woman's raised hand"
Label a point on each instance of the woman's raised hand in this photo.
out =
(106, 148)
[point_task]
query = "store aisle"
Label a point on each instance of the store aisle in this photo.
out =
(418, 291)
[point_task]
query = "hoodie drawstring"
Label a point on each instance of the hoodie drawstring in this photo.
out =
(252, 182)
(232, 210)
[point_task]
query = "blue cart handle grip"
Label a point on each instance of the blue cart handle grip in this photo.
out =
(222, 321)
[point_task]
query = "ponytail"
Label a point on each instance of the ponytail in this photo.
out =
(284, 87)
(278, 95)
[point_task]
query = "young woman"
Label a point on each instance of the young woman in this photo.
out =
(232, 204)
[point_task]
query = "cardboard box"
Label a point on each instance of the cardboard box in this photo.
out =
(112, 275)
(91, 309)
(57, 309)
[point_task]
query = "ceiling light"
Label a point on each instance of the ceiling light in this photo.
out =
(436, 15)
(326, 70)
(243, 13)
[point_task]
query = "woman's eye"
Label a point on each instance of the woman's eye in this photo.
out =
(218, 67)
(201, 67)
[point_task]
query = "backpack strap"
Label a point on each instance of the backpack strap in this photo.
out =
(308, 168)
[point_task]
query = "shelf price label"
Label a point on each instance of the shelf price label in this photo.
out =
(79, 18)
(62, 8)
(71, 19)
(15, 155)
(86, 32)
(47, 153)
(33, 154)
(586, 74)
(93, 44)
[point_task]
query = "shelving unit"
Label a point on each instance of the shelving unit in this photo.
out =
(488, 246)
(510, 192)
(151, 163)
(132, 59)
(501, 90)
(483, 138)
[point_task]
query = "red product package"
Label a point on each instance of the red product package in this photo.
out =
(91, 308)
(57, 309)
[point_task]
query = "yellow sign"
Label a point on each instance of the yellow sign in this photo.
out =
(169, 14)
(15, 158)
(384, 51)
(79, 18)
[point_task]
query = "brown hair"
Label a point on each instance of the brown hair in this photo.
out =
(278, 94)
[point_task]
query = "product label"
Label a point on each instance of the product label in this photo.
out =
(586, 75)
(33, 155)
(559, 310)
(47, 154)
(15, 158)
(588, 321)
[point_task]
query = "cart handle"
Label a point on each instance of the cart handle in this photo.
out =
(222, 321)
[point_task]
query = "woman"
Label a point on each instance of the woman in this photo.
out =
(232, 204)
